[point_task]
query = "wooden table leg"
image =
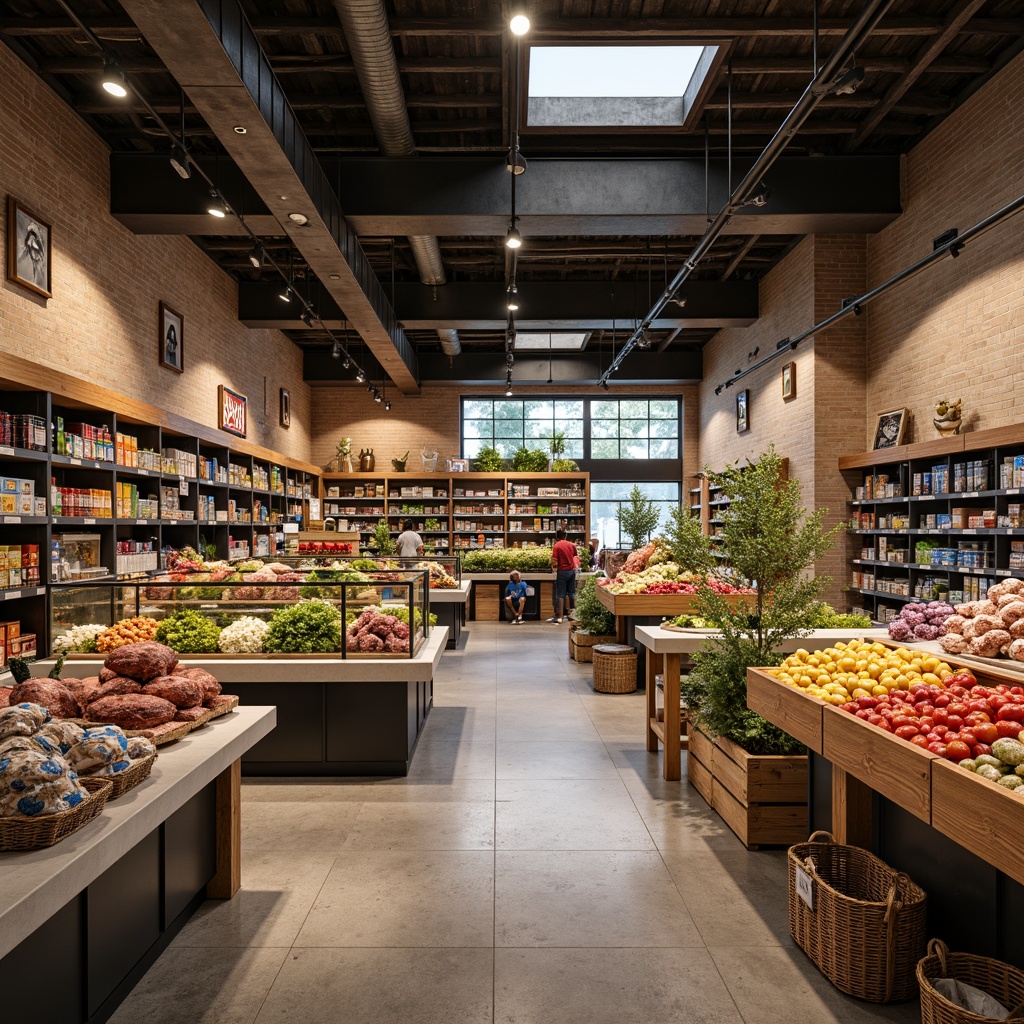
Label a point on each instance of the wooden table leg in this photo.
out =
(673, 765)
(228, 879)
(852, 810)
(621, 629)
(652, 700)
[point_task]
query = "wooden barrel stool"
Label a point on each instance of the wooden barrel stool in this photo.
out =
(614, 668)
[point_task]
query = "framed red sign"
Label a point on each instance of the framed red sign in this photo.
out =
(232, 411)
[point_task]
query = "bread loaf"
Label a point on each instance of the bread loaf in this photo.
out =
(181, 691)
(114, 687)
(83, 690)
(133, 710)
(190, 714)
(211, 688)
(142, 661)
(106, 674)
(51, 694)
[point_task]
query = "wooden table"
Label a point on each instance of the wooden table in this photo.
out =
(664, 650)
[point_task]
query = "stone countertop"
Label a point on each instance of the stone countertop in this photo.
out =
(457, 595)
(668, 641)
(35, 884)
(286, 669)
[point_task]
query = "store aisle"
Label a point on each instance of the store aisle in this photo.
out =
(532, 869)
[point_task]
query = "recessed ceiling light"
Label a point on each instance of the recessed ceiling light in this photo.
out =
(240, 129)
(298, 218)
(519, 23)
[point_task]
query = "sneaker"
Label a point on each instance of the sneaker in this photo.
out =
(520, 619)
(558, 621)
(552, 619)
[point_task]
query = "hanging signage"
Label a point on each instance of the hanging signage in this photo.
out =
(232, 411)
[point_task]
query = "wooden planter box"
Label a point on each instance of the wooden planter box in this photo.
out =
(763, 799)
(581, 644)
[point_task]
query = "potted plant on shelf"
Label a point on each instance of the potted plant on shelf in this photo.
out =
(529, 460)
(343, 451)
(772, 542)
(638, 518)
(489, 460)
(594, 623)
(558, 464)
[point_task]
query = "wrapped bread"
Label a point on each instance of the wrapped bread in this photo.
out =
(51, 694)
(989, 644)
(142, 661)
(140, 747)
(22, 720)
(33, 783)
(98, 748)
(63, 734)
(211, 688)
(133, 710)
(1010, 613)
(180, 690)
(953, 643)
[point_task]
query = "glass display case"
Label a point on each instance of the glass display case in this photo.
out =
(276, 610)
(445, 570)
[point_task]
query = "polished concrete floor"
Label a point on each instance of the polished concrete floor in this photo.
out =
(532, 869)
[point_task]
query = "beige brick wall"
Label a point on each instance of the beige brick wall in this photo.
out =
(955, 330)
(101, 323)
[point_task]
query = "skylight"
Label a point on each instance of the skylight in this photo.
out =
(544, 340)
(629, 87)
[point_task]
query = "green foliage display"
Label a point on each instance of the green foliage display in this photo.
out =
(564, 466)
(590, 613)
(824, 616)
(382, 541)
(530, 460)
(309, 627)
(557, 444)
(687, 545)
(489, 460)
(528, 559)
(189, 632)
(774, 542)
(330, 576)
(638, 518)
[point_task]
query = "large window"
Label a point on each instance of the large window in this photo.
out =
(508, 424)
(634, 428)
(606, 498)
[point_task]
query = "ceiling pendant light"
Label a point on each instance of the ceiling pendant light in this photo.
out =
(376, 396)
(513, 298)
(216, 207)
(306, 316)
(519, 23)
(256, 256)
(285, 294)
(180, 161)
(336, 350)
(515, 162)
(387, 406)
(360, 376)
(113, 80)
(513, 240)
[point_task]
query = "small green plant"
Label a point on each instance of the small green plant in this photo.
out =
(189, 632)
(564, 466)
(557, 444)
(309, 627)
(489, 460)
(529, 460)
(638, 518)
(381, 541)
(343, 448)
(590, 613)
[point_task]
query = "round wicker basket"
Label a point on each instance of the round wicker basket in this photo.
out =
(614, 668)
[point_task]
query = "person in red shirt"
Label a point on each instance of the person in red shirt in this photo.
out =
(565, 561)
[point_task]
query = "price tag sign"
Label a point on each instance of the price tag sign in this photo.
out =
(12, 519)
(89, 522)
(805, 887)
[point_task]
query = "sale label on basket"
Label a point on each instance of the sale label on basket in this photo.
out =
(805, 887)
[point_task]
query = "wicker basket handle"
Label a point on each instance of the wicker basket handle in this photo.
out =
(893, 906)
(936, 947)
(828, 837)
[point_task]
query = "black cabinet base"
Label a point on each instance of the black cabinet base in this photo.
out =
(449, 615)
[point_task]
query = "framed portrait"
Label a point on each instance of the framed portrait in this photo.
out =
(890, 429)
(28, 249)
(171, 338)
(788, 381)
(743, 411)
(286, 408)
(233, 411)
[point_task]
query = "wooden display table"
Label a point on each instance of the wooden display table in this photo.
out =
(664, 650)
(103, 904)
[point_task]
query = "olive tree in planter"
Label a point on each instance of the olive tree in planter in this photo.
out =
(638, 518)
(772, 542)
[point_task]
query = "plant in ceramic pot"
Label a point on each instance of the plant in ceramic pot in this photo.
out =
(638, 518)
(529, 460)
(343, 452)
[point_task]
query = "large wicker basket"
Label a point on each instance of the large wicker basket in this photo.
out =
(582, 643)
(866, 930)
(18, 834)
(614, 668)
(999, 980)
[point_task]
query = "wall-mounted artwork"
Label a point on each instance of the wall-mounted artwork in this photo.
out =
(743, 411)
(171, 338)
(28, 249)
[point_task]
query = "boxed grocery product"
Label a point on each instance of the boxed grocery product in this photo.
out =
(959, 518)
(23, 646)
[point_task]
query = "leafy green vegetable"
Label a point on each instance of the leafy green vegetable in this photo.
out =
(189, 632)
(309, 627)
(331, 576)
(528, 559)
(824, 616)
(590, 613)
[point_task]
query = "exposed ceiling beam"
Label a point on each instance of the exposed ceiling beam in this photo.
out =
(211, 53)
(741, 255)
(953, 23)
(299, 101)
(545, 306)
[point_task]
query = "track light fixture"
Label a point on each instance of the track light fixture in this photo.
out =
(603, 385)
(512, 303)
(680, 301)
(519, 23)
(370, 388)
(360, 376)
(346, 363)
(508, 387)
(180, 161)
(216, 207)
(848, 82)
(113, 79)
(336, 350)
(285, 294)
(376, 396)
(513, 240)
(387, 406)
(515, 162)
(306, 316)
(257, 256)
(759, 197)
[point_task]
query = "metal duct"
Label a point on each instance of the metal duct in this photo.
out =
(368, 37)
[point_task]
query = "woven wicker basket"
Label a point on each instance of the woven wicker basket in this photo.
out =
(999, 980)
(614, 668)
(582, 644)
(35, 833)
(122, 782)
(867, 929)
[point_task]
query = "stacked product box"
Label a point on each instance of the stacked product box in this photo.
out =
(1011, 471)
(179, 463)
(135, 556)
(84, 441)
(91, 502)
(19, 566)
(975, 475)
(23, 430)
(18, 497)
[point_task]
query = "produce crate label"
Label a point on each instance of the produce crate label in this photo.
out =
(805, 887)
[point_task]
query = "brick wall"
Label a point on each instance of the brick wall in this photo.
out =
(102, 320)
(955, 330)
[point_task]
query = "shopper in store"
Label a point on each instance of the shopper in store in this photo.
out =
(565, 561)
(410, 543)
(515, 596)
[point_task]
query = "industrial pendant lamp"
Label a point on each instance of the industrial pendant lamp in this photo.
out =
(513, 240)
(512, 303)
(113, 80)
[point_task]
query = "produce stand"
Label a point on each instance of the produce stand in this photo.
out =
(450, 608)
(335, 716)
(101, 905)
(956, 834)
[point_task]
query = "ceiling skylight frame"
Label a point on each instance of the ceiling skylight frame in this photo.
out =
(554, 341)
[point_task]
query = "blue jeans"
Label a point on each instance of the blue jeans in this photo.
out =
(565, 584)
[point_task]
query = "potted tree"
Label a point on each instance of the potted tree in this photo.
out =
(594, 623)
(558, 464)
(750, 771)
(638, 518)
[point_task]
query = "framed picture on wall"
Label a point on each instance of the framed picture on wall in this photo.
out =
(286, 408)
(890, 429)
(28, 249)
(171, 338)
(788, 381)
(743, 411)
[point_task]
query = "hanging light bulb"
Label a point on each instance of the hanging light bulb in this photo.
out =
(513, 240)
(216, 207)
(360, 376)
(515, 162)
(257, 254)
(180, 161)
(113, 80)
(376, 396)
(336, 351)
(513, 298)
(347, 362)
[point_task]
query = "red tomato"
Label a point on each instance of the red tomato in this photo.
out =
(874, 719)
(942, 700)
(1011, 729)
(1002, 688)
(957, 751)
(1011, 713)
(980, 748)
(978, 705)
(926, 708)
(997, 701)
(939, 715)
(901, 720)
(884, 724)
(986, 732)
(868, 702)
(920, 741)
(1018, 690)
(957, 707)
(926, 724)
(850, 707)
(907, 732)
(863, 713)
(939, 730)
(954, 721)
(968, 735)
(938, 748)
